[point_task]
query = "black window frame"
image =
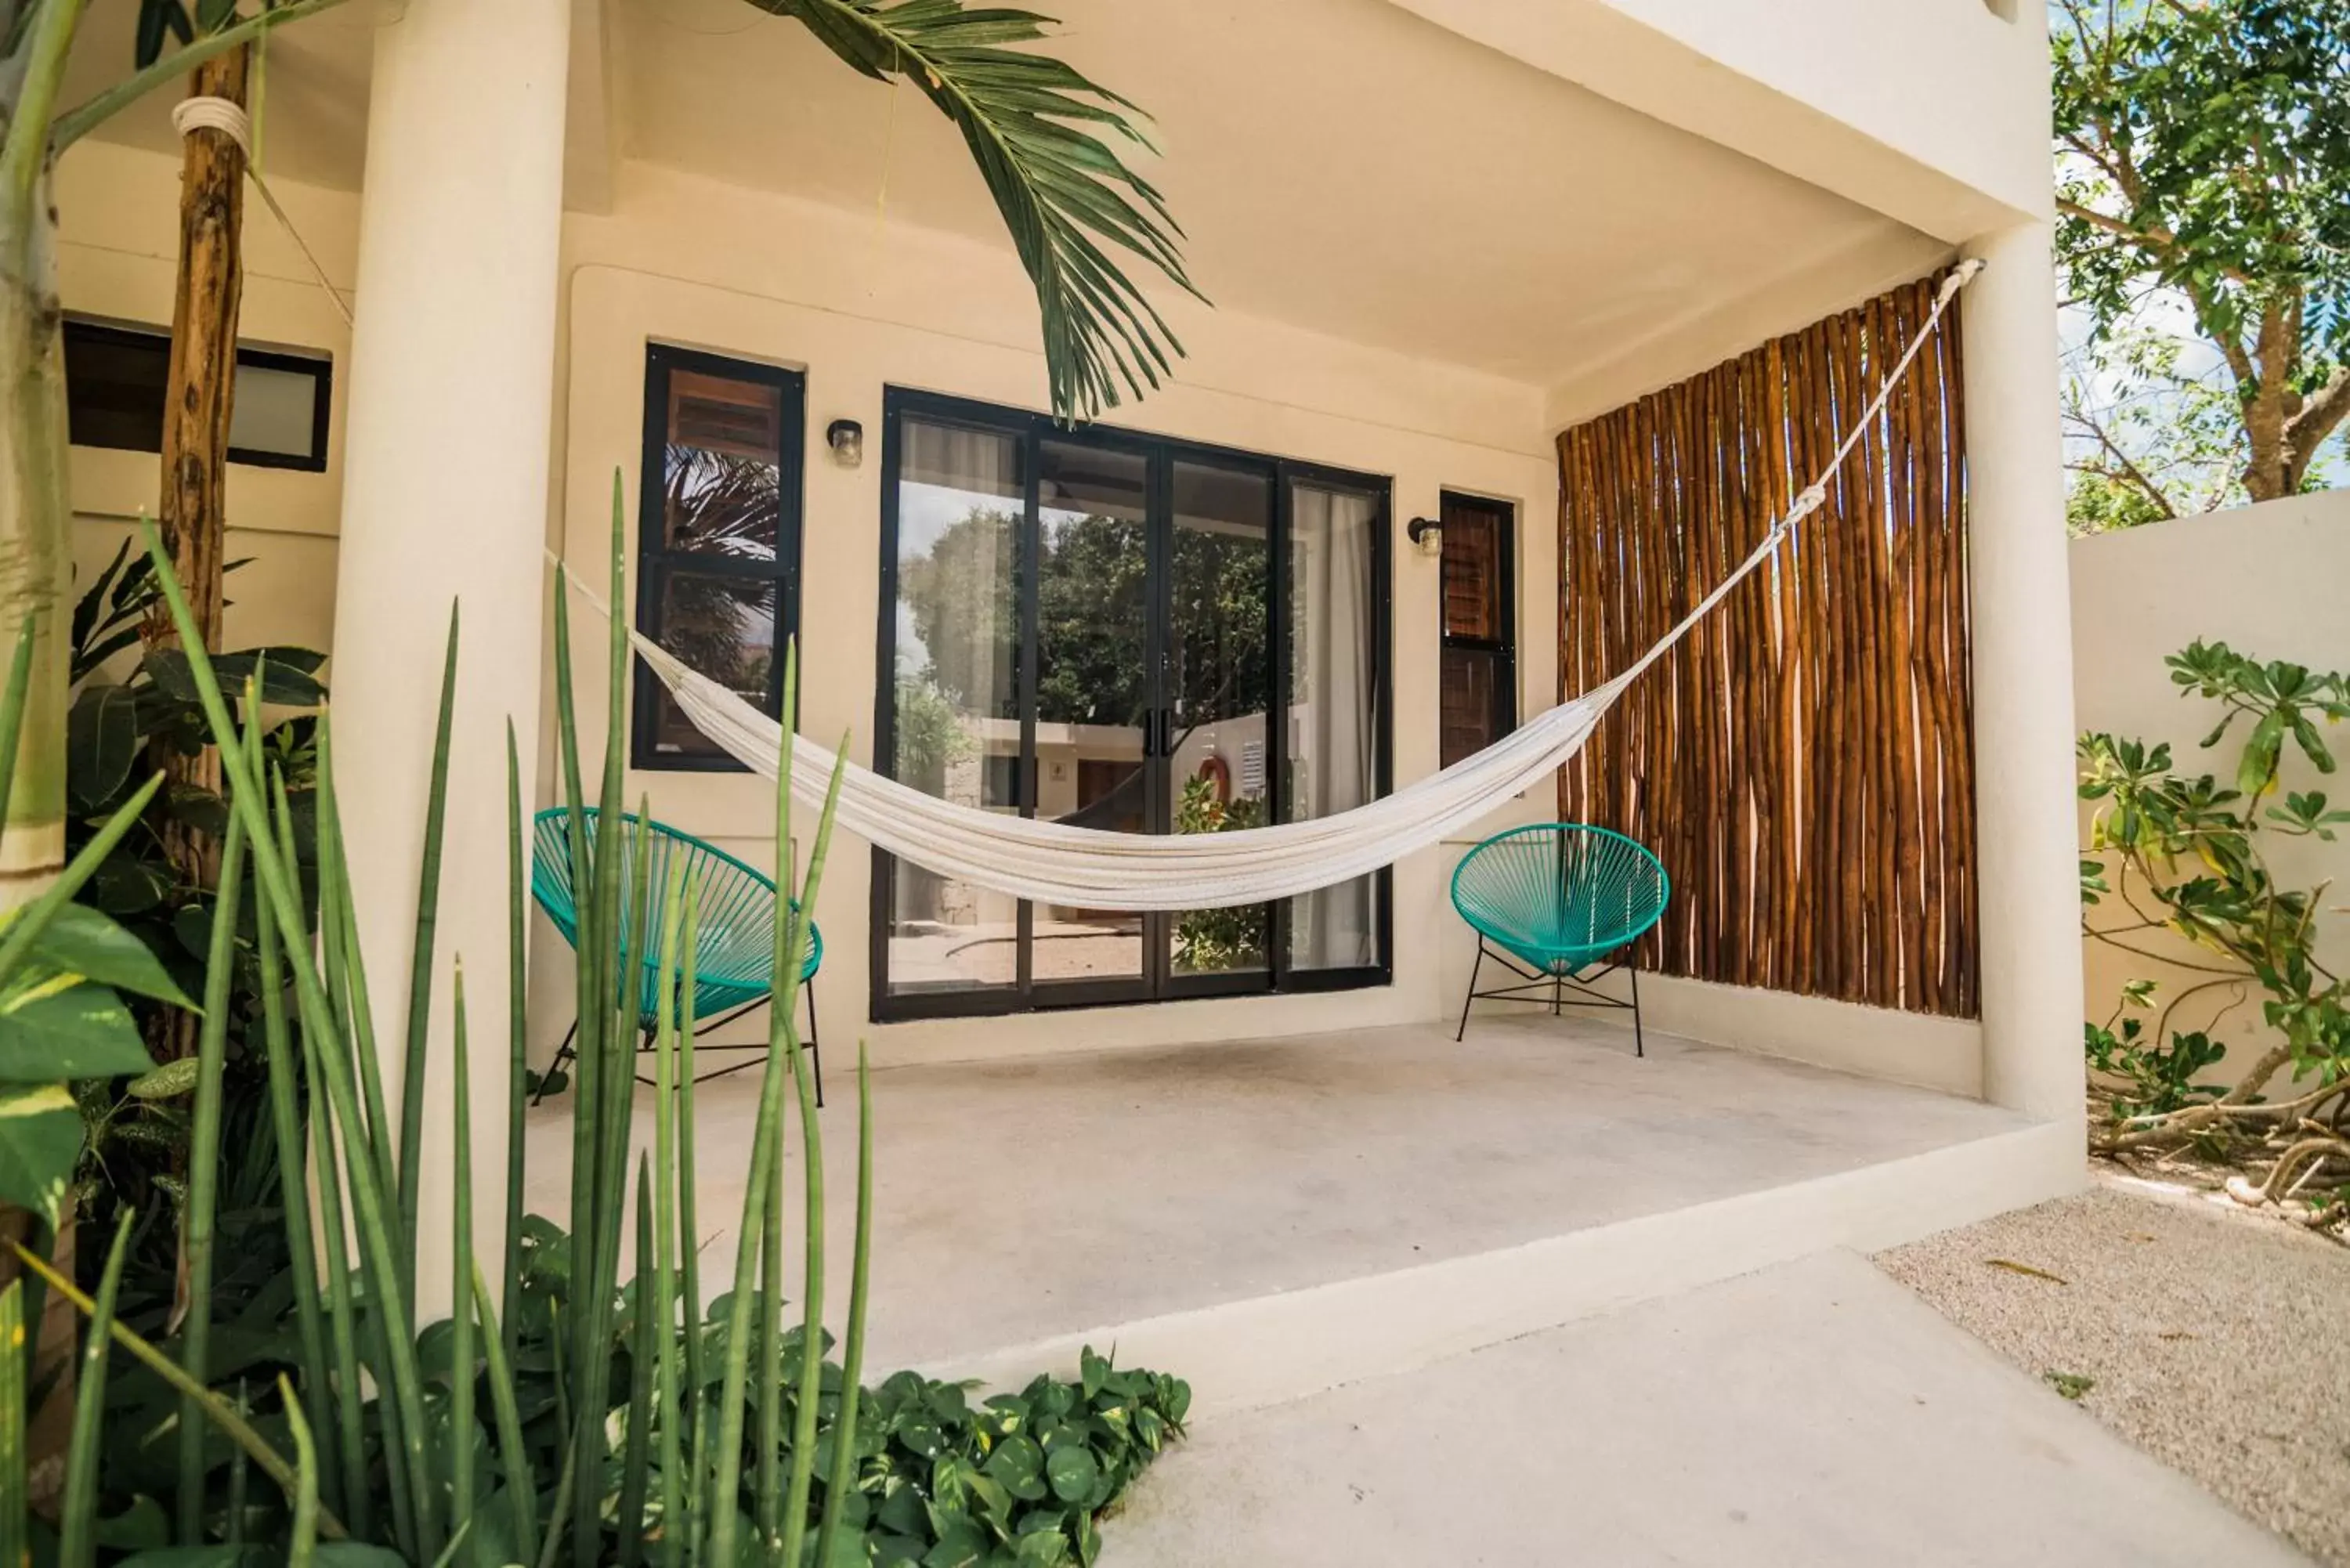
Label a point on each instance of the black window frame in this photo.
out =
(1502, 649)
(1031, 427)
(318, 365)
(655, 561)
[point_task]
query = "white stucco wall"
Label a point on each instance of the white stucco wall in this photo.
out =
(688, 261)
(2268, 581)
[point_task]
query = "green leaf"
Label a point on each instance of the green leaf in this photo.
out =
(1058, 188)
(125, 885)
(167, 1082)
(63, 1030)
(101, 744)
(1018, 1464)
(82, 942)
(40, 1140)
(138, 1528)
(1073, 1472)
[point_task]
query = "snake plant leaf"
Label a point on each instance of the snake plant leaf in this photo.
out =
(1064, 193)
(60, 1028)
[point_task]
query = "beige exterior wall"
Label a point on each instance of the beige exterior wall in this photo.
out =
(687, 260)
(119, 209)
(2266, 580)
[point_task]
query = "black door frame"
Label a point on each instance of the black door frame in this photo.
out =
(1156, 981)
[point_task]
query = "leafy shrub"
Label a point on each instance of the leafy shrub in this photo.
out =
(2186, 855)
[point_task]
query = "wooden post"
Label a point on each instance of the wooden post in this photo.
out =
(198, 402)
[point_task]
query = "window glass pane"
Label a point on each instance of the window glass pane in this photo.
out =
(1093, 687)
(723, 626)
(1332, 708)
(114, 387)
(1220, 656)
(957, 716)
(277, 411)
(722, 485)
(1469, 703)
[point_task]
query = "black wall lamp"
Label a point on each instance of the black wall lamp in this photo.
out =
(1427, 536)
(847, 439)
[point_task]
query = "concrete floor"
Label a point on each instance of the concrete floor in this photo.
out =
(1021, 1199)
(1815, 1414)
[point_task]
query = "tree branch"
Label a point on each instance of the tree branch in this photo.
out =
(2129, 470)
(2321, 414)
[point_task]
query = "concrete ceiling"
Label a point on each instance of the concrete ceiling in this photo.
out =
(1341, 165)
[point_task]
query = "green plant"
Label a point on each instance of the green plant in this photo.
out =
(136, 1128)
(584, 1418)
(2201, 172)
(2184, 857)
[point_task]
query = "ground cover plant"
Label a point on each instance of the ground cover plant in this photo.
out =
(568, 1415)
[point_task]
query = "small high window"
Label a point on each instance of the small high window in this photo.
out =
(115, 381)
(1478, 686)
(718, 539)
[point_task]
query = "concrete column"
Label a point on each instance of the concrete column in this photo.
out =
(445, 498)
(2026, 830)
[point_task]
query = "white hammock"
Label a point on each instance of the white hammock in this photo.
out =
(1059, 863)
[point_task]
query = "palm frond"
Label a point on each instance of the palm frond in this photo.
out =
(1066, 195)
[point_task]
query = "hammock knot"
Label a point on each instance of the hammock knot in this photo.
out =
(1808, 500)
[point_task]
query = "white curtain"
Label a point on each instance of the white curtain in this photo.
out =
(1333, 708)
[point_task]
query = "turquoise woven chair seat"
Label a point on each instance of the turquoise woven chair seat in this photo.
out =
(1558, 904)
(735, 956)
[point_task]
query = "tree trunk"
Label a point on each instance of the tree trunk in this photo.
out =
(198, 404)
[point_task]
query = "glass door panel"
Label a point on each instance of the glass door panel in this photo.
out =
(1219, 691)
(1093, 692)
(1333, 706)
(960, 498)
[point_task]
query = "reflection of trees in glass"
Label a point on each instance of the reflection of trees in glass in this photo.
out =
(1212, 940)
(1091, 623)
(723, 627)
(930, 734)
(965, 612)
(721, 504)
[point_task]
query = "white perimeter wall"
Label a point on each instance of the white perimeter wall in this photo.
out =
(2269, 581)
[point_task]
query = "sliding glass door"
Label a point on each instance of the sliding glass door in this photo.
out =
(1137, 636)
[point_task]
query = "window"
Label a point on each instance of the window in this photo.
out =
(718, 539)
(1134, 635)
(115, 380)
(1479, 699)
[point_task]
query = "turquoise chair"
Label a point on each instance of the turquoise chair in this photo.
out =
(735, 956)
(1559, 906)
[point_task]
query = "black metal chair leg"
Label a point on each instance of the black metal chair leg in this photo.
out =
(1639, 1043)
(815, 1055)
(563, 1053)
(1474, 970)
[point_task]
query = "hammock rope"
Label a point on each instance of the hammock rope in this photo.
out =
(1061, 863)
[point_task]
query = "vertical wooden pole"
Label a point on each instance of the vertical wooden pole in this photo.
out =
(198, 404)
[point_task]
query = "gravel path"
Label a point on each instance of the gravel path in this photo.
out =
(2217, 1343)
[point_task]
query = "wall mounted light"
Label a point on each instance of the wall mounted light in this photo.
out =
(846, 439)
(1427, 533)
